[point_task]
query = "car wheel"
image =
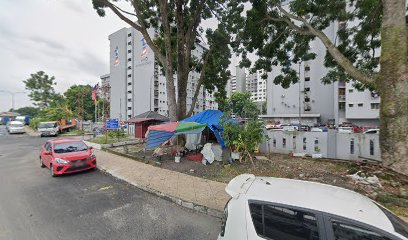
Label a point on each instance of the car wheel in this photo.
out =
(41, 162)
(52, 171)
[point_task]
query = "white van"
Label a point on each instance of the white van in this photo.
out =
(48, 128)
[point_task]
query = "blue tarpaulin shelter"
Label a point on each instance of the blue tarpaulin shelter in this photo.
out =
(213, 120)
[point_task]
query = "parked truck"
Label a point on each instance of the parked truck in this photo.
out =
(24, 119)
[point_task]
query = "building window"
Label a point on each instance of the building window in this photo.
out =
(129, 108)
(129, 83)
(351, 90)
(129, 43)
(129, 34)
(375, 106)
(352, 146)
(129, 59)
(307, 68)
(284, 142)
(129, 91)
(129, 75)
(307, 89)
(294, 142)
(342, 106)
(351, 105)
(129, 99)
(360, 105)
(129, 51)
(129, 67)
(129, 116)
(307, 79)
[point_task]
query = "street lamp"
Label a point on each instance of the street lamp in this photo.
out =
(12, 96)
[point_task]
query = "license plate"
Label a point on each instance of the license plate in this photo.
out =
(78, 164)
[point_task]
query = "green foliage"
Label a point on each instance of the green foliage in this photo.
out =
(35, 121)
(116, 134)
(41, 87)
(264, 107)
(30, 111)
(243, 138)
(78, 99)
(241, 105)
(268, 32)
(58, 113)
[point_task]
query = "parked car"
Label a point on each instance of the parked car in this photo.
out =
(48, 128)
(372, 131)
(289, 128)
(273, 127)
(63, 156)
(319, 129)
(15, 127)
(345, 129)
(277, 208)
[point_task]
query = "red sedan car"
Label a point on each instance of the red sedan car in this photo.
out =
(67, 156)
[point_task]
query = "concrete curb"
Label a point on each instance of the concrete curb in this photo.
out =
(31, 132)
(190, 205)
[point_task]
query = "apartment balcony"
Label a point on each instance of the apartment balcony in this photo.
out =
(342, 84)
(342, 98)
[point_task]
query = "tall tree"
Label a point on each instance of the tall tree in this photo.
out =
(178, 24)
(78, 99)
(241, 105)
(370, 48)
(41, 87)
(30, 111)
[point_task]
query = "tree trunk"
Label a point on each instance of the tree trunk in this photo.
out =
(393, 87)
(171, 94)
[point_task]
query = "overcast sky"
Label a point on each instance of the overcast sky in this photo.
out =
(64, 38)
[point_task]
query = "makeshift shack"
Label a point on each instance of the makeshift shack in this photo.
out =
(159, 134)
(213, 120)
(140, 123)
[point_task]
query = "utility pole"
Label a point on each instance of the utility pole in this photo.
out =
(300, 117)
(12, 97)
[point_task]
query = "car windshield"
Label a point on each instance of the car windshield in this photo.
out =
(70, 147)
(20, 118)
(46, 125)
(16, 125)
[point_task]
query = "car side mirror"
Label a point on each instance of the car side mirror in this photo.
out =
(47, 153)
(90, 148)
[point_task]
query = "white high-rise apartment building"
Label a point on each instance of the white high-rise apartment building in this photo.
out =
(256, 86)
(311, 101)
(135, 78)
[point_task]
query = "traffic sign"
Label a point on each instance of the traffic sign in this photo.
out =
(112, 123)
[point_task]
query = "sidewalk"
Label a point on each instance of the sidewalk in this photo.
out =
(192, 192)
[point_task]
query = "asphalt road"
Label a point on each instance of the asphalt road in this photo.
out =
(90, 205)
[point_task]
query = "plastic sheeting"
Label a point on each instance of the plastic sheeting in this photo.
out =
(212, 152)
(192, 140)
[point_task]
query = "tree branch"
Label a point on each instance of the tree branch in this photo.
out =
(141, 28)
(344, 62)
(200, 81)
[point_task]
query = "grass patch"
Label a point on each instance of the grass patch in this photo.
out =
(108, 140)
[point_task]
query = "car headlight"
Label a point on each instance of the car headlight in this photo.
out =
(91, 157)
(60, 160)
